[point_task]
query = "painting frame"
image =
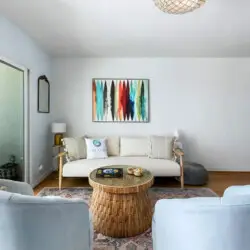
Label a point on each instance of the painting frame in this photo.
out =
(129, 80)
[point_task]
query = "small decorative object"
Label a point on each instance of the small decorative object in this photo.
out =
(138, 172)
(120, 100)
(58, 129)
(177, 143)
(178, 6)
(43, 100)
(130, 170)
(9, 170)
(109, 172)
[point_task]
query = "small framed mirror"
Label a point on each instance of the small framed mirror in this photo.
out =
(43, 105)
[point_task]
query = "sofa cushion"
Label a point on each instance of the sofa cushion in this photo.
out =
(113, 144)
(158, 167)
(133, 146)
(160, 147)
(96, 148)
(75, 148)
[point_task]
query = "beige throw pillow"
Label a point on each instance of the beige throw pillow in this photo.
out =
(3, 188)
(75, 148)
(160, 147)
(134, 146)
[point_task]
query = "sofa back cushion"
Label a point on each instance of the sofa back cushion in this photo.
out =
(75, 147)
(160, 147)
(112, 142)
(133, 146)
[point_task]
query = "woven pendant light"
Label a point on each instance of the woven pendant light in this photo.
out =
(178, 6)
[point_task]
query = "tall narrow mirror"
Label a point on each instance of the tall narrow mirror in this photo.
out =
(43, 95)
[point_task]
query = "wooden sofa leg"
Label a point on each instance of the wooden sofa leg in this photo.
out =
(182, 172)
(60, 172)
(182, 182)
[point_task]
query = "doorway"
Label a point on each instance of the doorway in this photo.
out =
(14, 121)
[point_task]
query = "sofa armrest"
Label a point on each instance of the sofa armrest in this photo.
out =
(60, 155)
(178, 152)
(178, 157)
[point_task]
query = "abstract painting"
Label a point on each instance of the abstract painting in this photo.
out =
(120, 100)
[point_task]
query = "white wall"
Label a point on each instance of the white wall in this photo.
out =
(20, 49)
(207, 99)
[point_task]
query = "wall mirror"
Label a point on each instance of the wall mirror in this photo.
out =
(43, 95)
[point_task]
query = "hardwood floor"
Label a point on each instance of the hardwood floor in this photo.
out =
(218, 181)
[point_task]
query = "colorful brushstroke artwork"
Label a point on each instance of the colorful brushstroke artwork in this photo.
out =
(120, 100)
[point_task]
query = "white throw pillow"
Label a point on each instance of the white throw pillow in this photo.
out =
(96, 148)
(75, 148)
(112, 142)
(160, 147)
(133, 146)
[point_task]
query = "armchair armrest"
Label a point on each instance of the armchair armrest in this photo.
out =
(17, 187)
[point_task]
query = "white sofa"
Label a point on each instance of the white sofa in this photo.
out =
(143, 152)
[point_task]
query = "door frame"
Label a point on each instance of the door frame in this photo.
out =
(26, 120)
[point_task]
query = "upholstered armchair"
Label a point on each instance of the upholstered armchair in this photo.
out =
(204, 223)
(42, 223)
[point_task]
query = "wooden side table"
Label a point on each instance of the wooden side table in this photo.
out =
(121, 206)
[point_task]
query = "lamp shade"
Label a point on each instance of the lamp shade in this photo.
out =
(58, 128)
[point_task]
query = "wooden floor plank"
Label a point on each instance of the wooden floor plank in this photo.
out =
(218, 181)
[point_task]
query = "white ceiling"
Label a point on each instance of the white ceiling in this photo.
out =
(133, 28)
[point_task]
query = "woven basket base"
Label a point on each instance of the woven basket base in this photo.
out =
(120, 215)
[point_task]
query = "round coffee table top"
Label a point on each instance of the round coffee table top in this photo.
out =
(125, 185)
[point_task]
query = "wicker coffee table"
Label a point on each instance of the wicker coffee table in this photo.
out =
(120, 206)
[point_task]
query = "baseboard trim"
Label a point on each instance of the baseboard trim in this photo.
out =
(228, 171)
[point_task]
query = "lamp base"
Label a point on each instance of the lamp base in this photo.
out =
(58, 139)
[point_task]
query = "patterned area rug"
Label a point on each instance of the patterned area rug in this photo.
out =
(140, 242)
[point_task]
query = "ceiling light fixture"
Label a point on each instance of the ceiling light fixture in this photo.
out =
(178, 6)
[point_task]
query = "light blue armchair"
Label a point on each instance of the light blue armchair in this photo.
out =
(204, 223)
(34, 223)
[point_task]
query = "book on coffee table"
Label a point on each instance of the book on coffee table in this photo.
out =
(109, 172)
